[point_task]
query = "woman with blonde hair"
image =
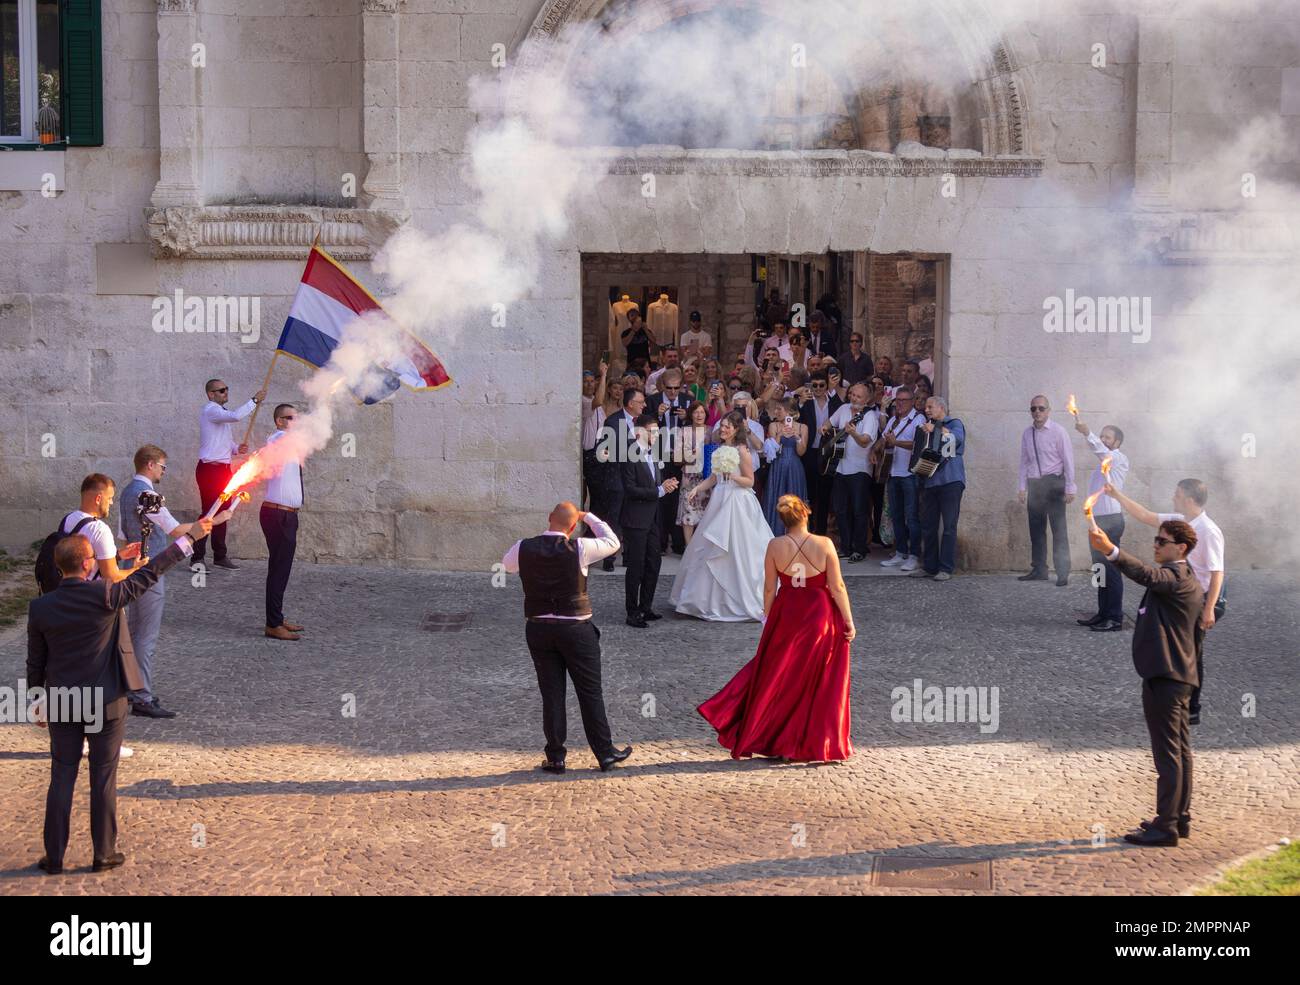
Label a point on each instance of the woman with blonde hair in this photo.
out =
(791, 701)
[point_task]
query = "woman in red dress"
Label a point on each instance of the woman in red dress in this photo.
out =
(792, 700)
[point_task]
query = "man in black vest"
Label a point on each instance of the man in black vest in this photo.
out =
(561, 635)
(1164, 653)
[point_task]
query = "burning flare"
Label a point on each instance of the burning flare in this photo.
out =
(1072, 407)
(1091, 501)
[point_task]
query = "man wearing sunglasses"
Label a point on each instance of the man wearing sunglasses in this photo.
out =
(1046, 486)
(279, 521)
(212, 473)
(1164, 654)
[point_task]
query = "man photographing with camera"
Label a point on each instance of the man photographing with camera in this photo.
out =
(140, 503)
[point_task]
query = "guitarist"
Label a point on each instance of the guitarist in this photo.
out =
(858, 427)
(815, 412)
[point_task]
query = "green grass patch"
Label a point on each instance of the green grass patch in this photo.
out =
(1277, 874)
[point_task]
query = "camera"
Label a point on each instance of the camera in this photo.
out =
(147, 504)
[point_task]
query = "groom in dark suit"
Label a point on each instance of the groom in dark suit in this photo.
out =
(77, 638)
(1164, 653)
(643, 486)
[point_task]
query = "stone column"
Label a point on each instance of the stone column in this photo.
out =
(180, 124)
(1154, 124)
(381, 113)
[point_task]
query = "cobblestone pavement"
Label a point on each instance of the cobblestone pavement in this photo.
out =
(265, 786)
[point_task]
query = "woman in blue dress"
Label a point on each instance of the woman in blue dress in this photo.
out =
(786, 476)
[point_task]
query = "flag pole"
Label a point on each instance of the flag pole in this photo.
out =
(266, 381)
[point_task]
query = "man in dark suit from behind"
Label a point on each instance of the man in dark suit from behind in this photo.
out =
(643, 487)
(814, 413)
(77, 638)
(1164, 653)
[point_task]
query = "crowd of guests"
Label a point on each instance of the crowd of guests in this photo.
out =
(839, 432)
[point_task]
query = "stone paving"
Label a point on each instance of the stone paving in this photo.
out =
(265, 786)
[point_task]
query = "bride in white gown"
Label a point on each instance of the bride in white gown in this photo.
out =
(721, 574)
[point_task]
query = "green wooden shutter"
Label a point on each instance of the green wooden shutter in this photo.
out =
(83, 77)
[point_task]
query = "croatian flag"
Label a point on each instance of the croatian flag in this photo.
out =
(327, 300)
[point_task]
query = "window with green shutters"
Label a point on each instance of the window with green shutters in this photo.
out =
(51, 74)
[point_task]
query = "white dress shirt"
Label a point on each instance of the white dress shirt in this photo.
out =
(855, 455)
(903, 430)
(215, 441)
(590, 550)
(285, 487)
(1207, 556)
(1106, 505)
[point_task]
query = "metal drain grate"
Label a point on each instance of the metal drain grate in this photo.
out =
(445, 622)
(932, 873)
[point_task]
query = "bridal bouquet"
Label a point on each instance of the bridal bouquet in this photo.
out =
(726, 460)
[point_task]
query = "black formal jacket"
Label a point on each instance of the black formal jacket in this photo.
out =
(808, 415)
(640, 495)
(77, 635)
(1164, 639)
(825, 345)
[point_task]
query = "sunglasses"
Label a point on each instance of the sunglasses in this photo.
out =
(733, 386)
(1036, 409)
(819, 386)
(1162, 541)
(674, 389)
(221, 389)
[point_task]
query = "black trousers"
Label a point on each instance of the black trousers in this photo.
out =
(65, 761)
(642, 556)
(876, 495)
(669, 530)
(1046, 500)
(1110, 593)
(852, 495)
(819, 492)
(212, 478)
(607, 496)
(280, 527)
(574, 649)
(1165, 706)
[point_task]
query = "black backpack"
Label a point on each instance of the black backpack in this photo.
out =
(48, 574)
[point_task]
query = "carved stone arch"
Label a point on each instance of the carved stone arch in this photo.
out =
(994, 64)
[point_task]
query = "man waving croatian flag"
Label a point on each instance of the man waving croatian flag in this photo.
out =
(328, 299)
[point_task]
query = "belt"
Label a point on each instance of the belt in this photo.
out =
(277, 506)
(558, 622)
(212, 461)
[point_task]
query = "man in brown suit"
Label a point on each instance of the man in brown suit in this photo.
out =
(77, 640)
(1164, 653)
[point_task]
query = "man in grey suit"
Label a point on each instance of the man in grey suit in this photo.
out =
(1164, 653)
(77, 641)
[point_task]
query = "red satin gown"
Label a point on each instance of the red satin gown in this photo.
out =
(792, 699)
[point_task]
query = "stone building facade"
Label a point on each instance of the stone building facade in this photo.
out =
(348, 118)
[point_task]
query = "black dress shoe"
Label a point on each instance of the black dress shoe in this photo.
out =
(151, 710)
(1107, 627)
(607, 564)
(651, 615)
(552, 766)
(47, 867)
(1033, 576)
(855, 557)
(1090, 622)
(1194, 718)
(1062, 581)
(225, 562)
(1184, 828)
(1153, 838)
(638, 622)
(609, 762)
(111, 862)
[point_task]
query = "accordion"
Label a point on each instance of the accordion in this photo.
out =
(926, 461)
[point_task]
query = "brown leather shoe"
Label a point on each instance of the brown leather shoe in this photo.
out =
(292, 628)
(281, 633)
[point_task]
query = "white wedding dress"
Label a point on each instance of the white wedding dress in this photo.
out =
(721, 575)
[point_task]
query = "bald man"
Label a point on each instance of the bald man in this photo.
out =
(561, 635)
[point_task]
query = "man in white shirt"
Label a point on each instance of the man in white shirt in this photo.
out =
(1109, 516)
(902, 490)
(216, 447)
(671, 359)
(695, 339)
(850, 493)
(561, 635)
(1206, 560)
(97, 492)
(279, 520)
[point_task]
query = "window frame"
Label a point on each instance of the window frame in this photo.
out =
(29, 86)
